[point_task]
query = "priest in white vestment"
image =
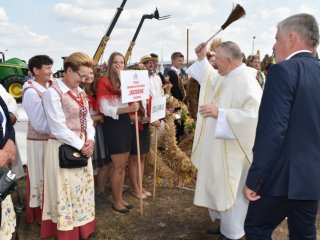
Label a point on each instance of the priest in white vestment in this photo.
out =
(224, 136)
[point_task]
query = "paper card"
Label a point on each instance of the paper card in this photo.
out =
(134, 85)
(158, 108)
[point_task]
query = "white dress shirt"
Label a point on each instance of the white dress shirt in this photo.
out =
(109, 108)
(292, 54)
(155, 86)
(32, 104)
(175, 69)
(57, 120)
(9, 100)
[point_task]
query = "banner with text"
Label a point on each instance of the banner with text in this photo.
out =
(134, 85)
(158, 108)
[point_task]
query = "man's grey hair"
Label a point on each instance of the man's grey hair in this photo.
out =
(231, 49)
(303, 24)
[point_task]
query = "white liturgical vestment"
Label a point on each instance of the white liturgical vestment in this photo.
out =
(222, 158)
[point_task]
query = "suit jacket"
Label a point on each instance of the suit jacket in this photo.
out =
(177, 85)
(10, 134)
(161, 77)
(286, 153)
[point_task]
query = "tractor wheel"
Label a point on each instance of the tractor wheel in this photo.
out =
(14, 86)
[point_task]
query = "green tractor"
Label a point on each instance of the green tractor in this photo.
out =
(12, 75)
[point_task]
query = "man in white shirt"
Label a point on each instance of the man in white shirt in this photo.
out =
(156, 67)
(155, 83)
(226, 123)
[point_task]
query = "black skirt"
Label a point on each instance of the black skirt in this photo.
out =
(117, 134)
(100, 155)
(144, 139)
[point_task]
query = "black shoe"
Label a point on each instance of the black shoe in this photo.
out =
(213, 230)
(222, 237)
(123, 210)
(92, 235)
(129, 206)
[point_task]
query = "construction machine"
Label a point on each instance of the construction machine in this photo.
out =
(13, 73)
(106, 37)
(144, 16)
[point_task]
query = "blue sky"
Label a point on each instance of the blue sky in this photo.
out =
(58, 28)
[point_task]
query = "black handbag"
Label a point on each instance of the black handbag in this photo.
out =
(70, 157)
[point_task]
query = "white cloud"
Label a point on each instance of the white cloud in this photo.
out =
(269, 14)
(92, 4)
(23, 43)
(307, 8)
(88, 32)
(76, 13)
(3, 15)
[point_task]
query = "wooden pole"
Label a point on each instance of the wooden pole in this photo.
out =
(139, 161)
(187, 47)
(254, 37)
(155, 161)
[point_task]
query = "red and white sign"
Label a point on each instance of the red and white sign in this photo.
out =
(134, 85)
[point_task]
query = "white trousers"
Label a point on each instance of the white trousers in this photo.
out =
(232, 220)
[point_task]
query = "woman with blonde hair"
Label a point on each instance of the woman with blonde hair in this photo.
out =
(117, 127)
(254, 62)
(68, 198)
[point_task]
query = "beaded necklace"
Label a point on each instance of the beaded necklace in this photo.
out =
(82, 112)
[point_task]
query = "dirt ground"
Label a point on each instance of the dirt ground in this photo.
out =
(170, 216)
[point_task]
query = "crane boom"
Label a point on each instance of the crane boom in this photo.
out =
(106, 37)
(144, 16)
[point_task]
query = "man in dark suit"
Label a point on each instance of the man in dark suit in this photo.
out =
(7, 136)
(177, 75)
(284, 179)
(177, 78)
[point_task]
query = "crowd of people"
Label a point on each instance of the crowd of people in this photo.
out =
(255, 144)
(84, 110)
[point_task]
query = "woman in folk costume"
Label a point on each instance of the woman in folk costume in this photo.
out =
(68, 199)
(38, 132)
(100, 158)
(117, 127)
